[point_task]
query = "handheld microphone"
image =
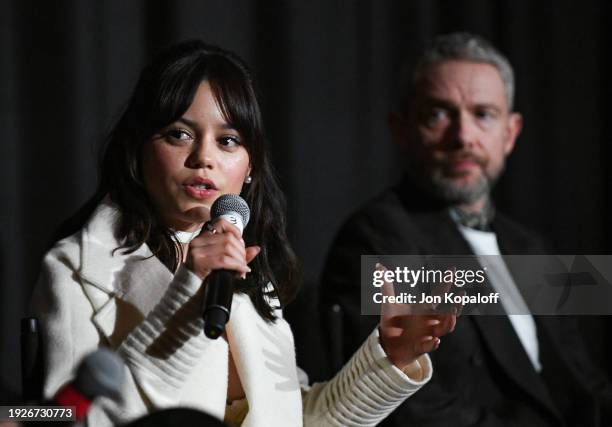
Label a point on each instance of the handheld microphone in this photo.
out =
(100, 373)
(219, 290)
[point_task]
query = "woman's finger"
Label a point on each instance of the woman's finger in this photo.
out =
(446, 325)
(427, 344)
(389, 310)
(451, 323)
(217, 259)
(251, 253)
(217, 245)
(224, 226)
(222, 239)
(233, 245)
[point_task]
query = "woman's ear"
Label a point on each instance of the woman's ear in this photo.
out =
(248, 179)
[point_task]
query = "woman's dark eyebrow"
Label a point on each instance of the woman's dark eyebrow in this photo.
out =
(228, 126)
(194, 125)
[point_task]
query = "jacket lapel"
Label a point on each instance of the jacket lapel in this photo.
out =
(121, 288)
(501, 340)
(498, 332)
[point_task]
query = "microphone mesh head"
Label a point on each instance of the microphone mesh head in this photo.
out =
(100, 373)
(230, 203)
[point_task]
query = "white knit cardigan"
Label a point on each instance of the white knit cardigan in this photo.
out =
(89, 296)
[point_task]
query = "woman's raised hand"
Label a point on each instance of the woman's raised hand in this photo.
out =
(405, 336)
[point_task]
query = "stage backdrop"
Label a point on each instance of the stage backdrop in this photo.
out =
(327, 72)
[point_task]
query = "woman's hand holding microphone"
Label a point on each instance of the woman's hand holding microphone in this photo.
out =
(220, 246)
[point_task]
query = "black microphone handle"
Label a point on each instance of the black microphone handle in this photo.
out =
(218, 293)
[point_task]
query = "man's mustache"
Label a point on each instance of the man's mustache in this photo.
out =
(447, 159)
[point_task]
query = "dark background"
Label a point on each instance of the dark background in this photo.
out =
(327, 71)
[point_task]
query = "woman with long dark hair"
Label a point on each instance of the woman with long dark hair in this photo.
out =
(127, 270)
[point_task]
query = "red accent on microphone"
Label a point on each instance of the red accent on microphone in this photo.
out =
(70, 396)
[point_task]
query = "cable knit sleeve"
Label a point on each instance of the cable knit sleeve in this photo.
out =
(367, 389)
(163, 350)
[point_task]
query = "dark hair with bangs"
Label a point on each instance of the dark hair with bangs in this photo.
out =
(165, 90)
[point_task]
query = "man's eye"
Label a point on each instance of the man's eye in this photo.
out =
(485, 114)
(435, 116)
(229, 141)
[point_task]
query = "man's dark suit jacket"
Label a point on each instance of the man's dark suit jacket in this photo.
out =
(482, 375)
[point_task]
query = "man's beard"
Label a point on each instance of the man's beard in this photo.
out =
(446, 188)
(450, 191)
